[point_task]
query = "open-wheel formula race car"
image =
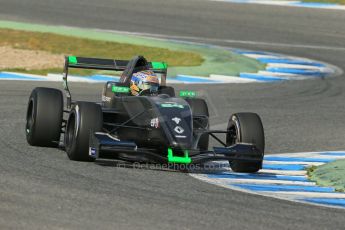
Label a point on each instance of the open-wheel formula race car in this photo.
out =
(158, 128)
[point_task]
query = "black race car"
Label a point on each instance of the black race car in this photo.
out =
(160, 128)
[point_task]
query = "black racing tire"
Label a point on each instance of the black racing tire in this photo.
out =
(200, 108)
(84, 117)
(247, 128)
(44, 117)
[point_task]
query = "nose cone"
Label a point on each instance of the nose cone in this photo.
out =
(176, 119)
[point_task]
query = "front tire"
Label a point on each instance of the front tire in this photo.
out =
(44, 117)
(247, 128)
(85, 117)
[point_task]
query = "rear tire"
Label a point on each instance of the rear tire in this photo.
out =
(44, 117)
(85, 117)
(247, 128)
(199, 108)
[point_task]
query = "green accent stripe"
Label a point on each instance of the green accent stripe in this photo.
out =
(120, 89)
(72, 60)
(175, 159)
(159, 65)
(187, 93)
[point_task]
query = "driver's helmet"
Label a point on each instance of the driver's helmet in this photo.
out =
(144, 80)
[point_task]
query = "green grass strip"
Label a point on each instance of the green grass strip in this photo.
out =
(62, 44)
(216, 60)
(342, 2)
(330, 174)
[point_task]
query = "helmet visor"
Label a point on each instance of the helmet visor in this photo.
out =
(152, 86)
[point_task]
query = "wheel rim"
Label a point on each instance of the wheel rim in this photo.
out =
(70, 131)
(30, 119)
(234, 135)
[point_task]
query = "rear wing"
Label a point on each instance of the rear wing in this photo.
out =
(109, 64)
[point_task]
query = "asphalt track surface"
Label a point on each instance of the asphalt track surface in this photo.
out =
(41, 188)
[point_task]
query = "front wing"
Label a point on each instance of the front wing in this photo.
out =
(105, 146)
